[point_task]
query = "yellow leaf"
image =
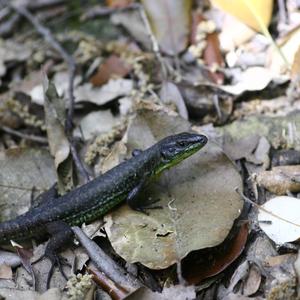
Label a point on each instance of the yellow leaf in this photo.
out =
(240, 9)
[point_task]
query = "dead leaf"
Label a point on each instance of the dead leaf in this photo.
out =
(55, 117)
(169, 93)
(253, 281)
(9, 259)
(188, 195)
(279, 219)
(112, 67)
(233, 34)
(262, 10)
(281, 131)
(11, 51)
(113, 89)
(170, 23)
(96, 123)
(22, 170)
(240, 148)
(280, 179)
(196, 268)
(5, 272)
(252, 79)
(131, 20)
(176, 292)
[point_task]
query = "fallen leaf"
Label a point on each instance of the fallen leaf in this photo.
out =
(189, 197)
(199, 266)
(261, 153)
(281, 131)
(176, 292)
(113, 89)
(279, 219)
(55, 117)
(233, 34)
(112, 67)
(9, 259)
(5, 272)
(11, 51)
(131, 20)
(170, 23)
(22, 170)
(262, 10)
(252, 283)
(96, 123)
(253, 79)
(240, 148)
(169, 93)
(280, 180)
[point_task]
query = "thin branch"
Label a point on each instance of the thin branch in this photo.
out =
(153, 40)
(25, 136)
(106, 264)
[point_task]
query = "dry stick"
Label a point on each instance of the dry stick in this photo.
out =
(47, 35)
(106, 264)
(25, 136)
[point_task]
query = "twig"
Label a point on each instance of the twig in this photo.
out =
(115, 291)
(49, 38)
(25, 136)
(153, 40)
(101, 11)
(106, 264)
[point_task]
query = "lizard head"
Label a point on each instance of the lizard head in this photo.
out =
(175, 148)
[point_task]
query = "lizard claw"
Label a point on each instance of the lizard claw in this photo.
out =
(59, 261)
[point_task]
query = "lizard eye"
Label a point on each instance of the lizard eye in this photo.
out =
(182, 144)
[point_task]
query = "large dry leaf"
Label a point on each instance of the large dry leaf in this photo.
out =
(241, 9)
(279, 219)
(191, 195)
(22, 170)
(170, 21)
(55, 117)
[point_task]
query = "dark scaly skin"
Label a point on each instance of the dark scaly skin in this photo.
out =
(96, 198)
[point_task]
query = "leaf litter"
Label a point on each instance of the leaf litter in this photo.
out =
(247, 105)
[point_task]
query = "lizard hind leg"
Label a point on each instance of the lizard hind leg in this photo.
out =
(61, 236)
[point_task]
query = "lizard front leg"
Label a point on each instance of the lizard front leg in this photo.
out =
(135, 202)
